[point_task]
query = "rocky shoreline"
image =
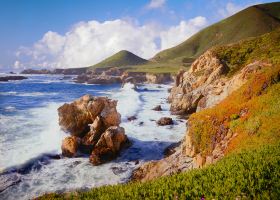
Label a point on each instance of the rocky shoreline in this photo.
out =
(116, 75)
(205, 85)
(12, 78)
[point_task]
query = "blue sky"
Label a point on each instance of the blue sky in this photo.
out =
(35, 33)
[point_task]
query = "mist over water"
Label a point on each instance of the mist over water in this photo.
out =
(30, 131)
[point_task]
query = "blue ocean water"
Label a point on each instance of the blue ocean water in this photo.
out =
(30, 136)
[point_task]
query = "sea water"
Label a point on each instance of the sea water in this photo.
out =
(30, 136)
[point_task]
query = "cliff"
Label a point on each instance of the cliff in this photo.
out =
(226, 91)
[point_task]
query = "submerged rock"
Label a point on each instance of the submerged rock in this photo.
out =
(165, 121)
(93, 123)
(157, 108)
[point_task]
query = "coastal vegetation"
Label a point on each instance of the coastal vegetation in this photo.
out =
(250, 174)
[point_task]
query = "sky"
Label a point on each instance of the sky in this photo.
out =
(77, 33)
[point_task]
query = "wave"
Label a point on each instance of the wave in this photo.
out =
(29, 134)
(129, 101)
(27, 94)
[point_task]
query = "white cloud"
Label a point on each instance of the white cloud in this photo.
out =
(229, 9)
(155, 4)
(90, 42)
(176, 34)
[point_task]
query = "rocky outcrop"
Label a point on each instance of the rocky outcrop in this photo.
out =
(159, 78)
(116, 75)
(12, 78)
(93, 123)
(203, 86)
(206, 84)
(172, 164)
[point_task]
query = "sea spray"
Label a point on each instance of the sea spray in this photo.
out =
(129, 101)
(32, 133)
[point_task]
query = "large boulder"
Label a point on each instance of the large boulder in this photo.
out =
(109, 145)
(93, 123)
(76, 117)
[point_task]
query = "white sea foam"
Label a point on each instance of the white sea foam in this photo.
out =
(9, 108)
(129, 101)
(27, 94)
(28, 135)
(149, 141)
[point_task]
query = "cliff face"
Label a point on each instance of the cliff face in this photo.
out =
(205, 85)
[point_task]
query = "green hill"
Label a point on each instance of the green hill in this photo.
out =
(121, 59)
(253, 21)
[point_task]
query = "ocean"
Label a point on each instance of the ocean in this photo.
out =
(30, 137)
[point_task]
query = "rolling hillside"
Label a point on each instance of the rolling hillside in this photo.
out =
(251, 22)
(121, 59)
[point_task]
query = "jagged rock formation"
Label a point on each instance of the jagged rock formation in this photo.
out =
(93, 123)
(206, 84)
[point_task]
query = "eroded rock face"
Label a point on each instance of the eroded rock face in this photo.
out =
(205, 84)
(172, 164)
(93, 123)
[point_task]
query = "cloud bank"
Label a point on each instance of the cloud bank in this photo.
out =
(87, 43)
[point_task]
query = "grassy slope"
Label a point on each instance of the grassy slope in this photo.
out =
(251, 174)
(259, 96)
(251, 168)
(120, 59)
(251, 22)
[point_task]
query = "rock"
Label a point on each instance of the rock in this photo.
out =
(206, 84)
(104, 79)
(162, 78)
(109, 145)
(157, 108)
(93, 123)
(75, 117)
(141, 123)
(171, 149)
(165, 121)
(132, 118)
(175, 163)
(109, 114)
(92, 137)
(12, 78)
(70, 146)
